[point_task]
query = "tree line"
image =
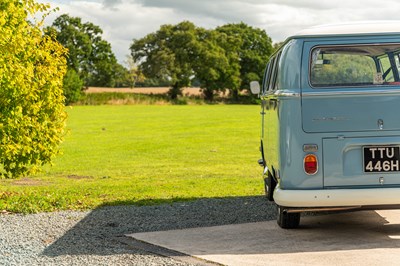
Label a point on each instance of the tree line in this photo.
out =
(225, 58)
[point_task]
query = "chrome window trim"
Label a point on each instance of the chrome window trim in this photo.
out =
(343, 92)
(282, 93)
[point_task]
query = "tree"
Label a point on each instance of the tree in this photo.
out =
(88, 54)
(102, 64)
(72, 87)
(253, 47)
(122, 78)
(31, 100)
(134, 74)
(277, 45)
(214, 68)
(228, 57)
(167, 55)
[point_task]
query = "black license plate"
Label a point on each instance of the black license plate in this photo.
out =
(381, 159)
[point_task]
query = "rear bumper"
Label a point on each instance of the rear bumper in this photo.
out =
(337, 197)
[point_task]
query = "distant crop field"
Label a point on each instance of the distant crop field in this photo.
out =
(145, 154)
(150, 90)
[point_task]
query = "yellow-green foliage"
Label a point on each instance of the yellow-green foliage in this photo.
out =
(32, 67)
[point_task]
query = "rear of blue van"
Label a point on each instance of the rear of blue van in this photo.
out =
(350, 127)
(352, 102)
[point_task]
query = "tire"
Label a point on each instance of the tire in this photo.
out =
(269, 186)
(288, 220)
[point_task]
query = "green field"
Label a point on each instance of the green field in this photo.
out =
(145, 154)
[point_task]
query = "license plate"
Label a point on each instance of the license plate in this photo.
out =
(381, 159)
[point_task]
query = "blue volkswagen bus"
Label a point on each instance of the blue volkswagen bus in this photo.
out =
(331, 120)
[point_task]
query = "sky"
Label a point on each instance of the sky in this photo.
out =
(125, 20)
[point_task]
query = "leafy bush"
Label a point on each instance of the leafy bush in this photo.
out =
(32, 67)
(72, 87)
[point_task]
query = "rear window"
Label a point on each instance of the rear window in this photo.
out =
(355, 65)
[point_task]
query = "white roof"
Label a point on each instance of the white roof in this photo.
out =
(363, 27)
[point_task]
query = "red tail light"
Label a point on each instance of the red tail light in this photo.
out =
(310, 164)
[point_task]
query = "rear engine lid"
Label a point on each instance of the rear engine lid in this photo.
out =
(361, 162)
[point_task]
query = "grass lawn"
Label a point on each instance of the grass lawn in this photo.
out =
(145, 154)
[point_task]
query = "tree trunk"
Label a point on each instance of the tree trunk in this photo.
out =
(208, 94)
(235, 94)
(174, 92)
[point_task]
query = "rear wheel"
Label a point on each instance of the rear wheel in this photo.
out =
(288, 220)
(269, 186)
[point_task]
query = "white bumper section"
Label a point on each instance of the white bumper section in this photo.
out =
(337, 197)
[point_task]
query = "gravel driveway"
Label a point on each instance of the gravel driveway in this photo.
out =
(97, 237)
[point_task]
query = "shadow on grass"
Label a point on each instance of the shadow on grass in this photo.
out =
(95, 234)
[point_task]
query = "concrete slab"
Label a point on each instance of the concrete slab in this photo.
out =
(357, 238)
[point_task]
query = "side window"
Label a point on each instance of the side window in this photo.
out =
(267, 77)
(274, 73)
(277, 79)
(268, 73)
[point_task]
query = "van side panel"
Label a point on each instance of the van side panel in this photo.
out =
(271, 134)
(288, 80)
(283, 135)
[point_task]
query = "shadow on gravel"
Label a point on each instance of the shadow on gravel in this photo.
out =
(98, 232)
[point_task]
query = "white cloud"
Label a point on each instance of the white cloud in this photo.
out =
(120, 22)
(124, 20)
